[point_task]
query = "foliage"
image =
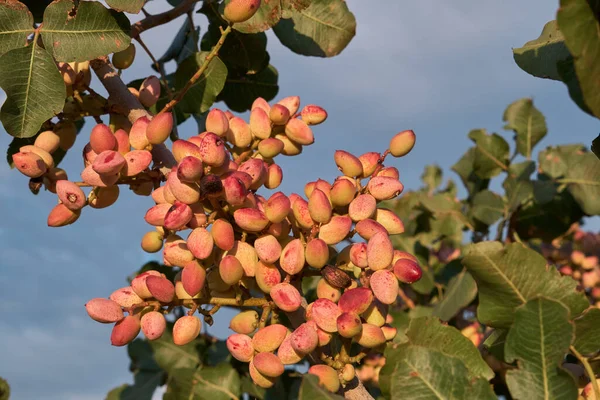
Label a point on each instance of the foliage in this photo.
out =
(463, 293)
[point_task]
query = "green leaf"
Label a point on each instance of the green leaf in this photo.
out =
(4, 389)
(130, 6)
(487, 207)
(267, 16)
(287, 386)
(171, 357)
(491, 154)
(85, 32)
(527, 122)
(517, 184)
(543, 191)
(587, 327)
(416, 373)
(242, 53)
(205, 383)
(549, 220)
(323, 29)
(465, 168)
(290, 6)
(495, 343)
(508, 276)
(311, 390)
(254, 391)
(240, 92)
(16, 23)
(538, 340)
(566, 70)
(577, 20)
(34, 88)
(203, 93)
(460, 292)
(182, 46)
(430, 333)
(539, 57)
(431, 177)
(553, 161)
(583, 180)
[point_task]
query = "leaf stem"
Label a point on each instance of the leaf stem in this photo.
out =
(213, 53)
(588, 369)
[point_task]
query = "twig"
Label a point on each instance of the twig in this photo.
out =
(162, 18)
(198, 73)
(407, 300)
(589, 371)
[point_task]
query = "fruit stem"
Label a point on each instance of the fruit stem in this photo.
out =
(213, 53)
(407, 300)
(265, 315)
(345, 350)
(588, 369)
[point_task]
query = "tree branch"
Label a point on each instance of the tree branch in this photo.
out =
(129, 106)
(162, 18)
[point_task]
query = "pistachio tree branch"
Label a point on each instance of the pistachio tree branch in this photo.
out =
(213, 53)
(128, 105)
(152, 21)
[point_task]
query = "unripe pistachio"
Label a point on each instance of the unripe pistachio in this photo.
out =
(299, 132)
(200, 242)
(48, 141)
(155, 216)
(402, 143)
(186, 329)
(389, 220)
(109, 162)
(67, 131)
(240, 10)
(279, 114)
(274, 176)
(212, 150)
(137, 134)
(70, 195)
(319, 207)
(348, 324)
(377, 313)
(176, 251)
(152, 242)
(102, 139)
(245, 322)
(222, 233)
(316, 253)
(267, 276)
(380, 251)
(407, 270)
(257, 171)
(240, 347)
(231, 270)
(268, 364)
(125, 297)
(46, 157)
(286, 297)
(370, 336)
(277, 207)
(188, 193)
(104, 310)
(367, 228)
(384, 286)
(342, 193)
(286, 352)
(258, 378)
(136, 161)
(292, 257)
(362, 207)
(250, 219)
(138, 284)
(259, 102)
(150, 91)
(348, 164)
(269, 338)
(122, 137)
(267, 248)
(391, 172)
(270, 147)
(153, 325)
(389, 332)
(325, 313)
(260, 124)
(178, 216)
(60, 215)
(328, 377)
(358, 255)
(348, 372)
(234, 189)
(124, 58)
(160, 128)
(160, 288)
(335, 230)
(304, 339)
(313, 114)
(302, 213)
(217, 122)
(67, 73)
(247, 256)
(370, 162)
(356, 300)
(290, 148)
(125, 331)
(384, 187)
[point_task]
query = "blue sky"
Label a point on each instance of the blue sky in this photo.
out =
(440, 68)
